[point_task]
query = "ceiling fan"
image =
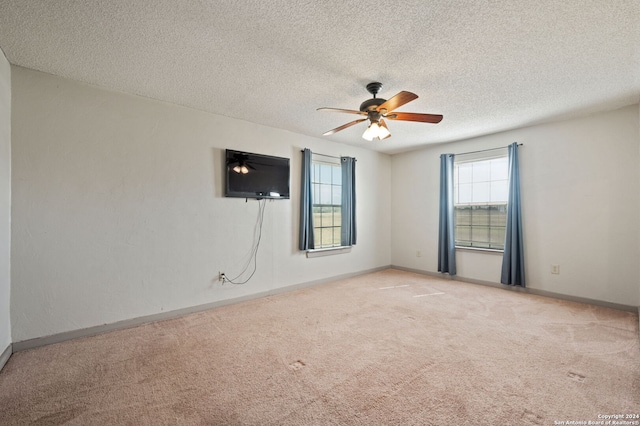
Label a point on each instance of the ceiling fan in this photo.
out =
(242, 163)
(377, 109)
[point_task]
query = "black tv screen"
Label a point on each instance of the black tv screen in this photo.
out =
(251, 175)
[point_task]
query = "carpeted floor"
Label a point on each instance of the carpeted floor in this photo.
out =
(389, 348)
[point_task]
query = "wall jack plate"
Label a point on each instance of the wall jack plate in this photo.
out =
(222, 277)
(555, 269)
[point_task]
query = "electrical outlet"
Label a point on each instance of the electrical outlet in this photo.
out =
(418, 253)
(222, 277)
(555, 269)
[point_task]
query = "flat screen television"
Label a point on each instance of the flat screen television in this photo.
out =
(250, 175)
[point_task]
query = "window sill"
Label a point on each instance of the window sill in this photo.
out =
(328, 251)
(483, 250)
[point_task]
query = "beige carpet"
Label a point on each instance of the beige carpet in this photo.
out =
(354, 352)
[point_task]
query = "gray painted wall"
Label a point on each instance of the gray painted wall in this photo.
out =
(580, 183)
(118, 208)
(5, 202)
(119, 212)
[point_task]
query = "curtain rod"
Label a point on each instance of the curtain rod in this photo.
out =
(325, 155)
(485, 150)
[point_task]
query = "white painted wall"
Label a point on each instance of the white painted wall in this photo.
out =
(118, 208)
(580, 182)
(5, 201)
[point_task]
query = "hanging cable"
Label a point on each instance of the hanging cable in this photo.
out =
(257, 236)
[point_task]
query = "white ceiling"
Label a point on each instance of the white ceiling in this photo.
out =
(487, 66)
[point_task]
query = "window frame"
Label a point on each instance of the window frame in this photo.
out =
(316, 184)
(486, 204)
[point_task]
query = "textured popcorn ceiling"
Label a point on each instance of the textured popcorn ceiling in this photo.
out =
(486, 66)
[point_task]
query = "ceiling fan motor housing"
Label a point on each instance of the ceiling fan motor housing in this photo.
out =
(373, 103)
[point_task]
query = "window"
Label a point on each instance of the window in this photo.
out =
(326, 183)
(481, 187)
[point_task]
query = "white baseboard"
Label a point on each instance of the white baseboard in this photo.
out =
(528, 290)
(6, 354)
(92, 331)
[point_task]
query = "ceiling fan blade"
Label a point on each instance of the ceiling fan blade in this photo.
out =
(414, 116)
(344, 126)
(349, 111)
(397, 101)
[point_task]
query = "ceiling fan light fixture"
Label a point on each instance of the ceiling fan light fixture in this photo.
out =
(383, 131)
(371, 132)
(376, 130)
(241, 169)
